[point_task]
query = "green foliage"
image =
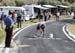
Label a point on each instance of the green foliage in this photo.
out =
(19, 2)
(12, 2)
(8, 2)
(1, 4)
(65, 3)
(72, 7)
(52, 2)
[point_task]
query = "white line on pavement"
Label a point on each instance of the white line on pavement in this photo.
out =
(67, 34)
(51, 36)
(7, 50)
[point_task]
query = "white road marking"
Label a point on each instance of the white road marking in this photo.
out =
(51, 36)
(7, 50)
(67, 34)
(58, 38)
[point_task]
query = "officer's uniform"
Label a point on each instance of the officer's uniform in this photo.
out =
(9, 30)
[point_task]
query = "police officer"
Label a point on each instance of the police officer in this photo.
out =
(8, 29)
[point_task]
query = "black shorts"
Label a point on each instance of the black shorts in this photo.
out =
(38, 27)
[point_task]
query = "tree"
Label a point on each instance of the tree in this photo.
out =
(66, 3)
(1, 4)
(53, 2)
(8, 2)
(19, 2)
(71, 1)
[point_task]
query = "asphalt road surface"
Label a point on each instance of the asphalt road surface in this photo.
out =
(54, 41)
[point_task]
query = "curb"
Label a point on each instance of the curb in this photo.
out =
(67, 33)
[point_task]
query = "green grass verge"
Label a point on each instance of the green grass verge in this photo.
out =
(2, 35)
(71, 28)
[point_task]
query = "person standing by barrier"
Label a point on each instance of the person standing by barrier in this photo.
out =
(57, 16)
(49, 14)
(19, 16)
(8, 29)
(45, 18)
(2, 20)
(14, 16)
(72, 14)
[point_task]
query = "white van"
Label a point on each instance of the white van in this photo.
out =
(32, 11)
(6, 9)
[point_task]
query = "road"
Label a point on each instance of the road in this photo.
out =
(58, 43)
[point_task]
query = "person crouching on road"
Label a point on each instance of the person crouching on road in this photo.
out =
(38, 27)
(8, 29)
(42, 28)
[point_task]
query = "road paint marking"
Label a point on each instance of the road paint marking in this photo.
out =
(58, 38)
(23, 45)
(7, 50)
(51, 36)
(67, 34)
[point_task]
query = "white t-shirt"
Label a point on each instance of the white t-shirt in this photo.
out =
(72, 14)
(58, 14)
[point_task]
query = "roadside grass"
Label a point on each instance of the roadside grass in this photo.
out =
(64, 17)
(2, 35)
(71, 28)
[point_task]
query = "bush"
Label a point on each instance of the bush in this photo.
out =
(8, 2)
(72, 7)
(19, 2)
(1, 4)
(66, 3)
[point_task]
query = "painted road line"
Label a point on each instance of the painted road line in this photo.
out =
(51, 36)
(21, 46)
(7, 50)
(64, 30)
(58, 38)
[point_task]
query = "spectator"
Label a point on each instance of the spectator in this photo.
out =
(49, 14)
(8, 29)
(72, 14)
(2, 20)
(57, 16)
(14, 16)
(19, 16)
(45, 18)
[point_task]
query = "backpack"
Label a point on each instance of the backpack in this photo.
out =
(42, 26)
(19, 14)
(38, 26)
